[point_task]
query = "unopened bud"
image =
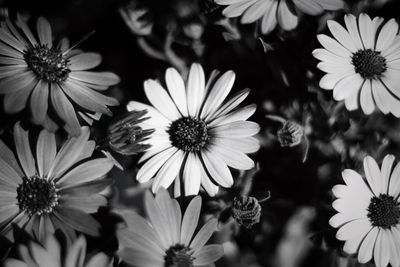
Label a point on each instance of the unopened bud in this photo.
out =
(133, 17)
(126, 137)
(291, 134)
(246, 211)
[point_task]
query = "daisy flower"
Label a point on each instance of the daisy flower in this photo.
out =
(368, 215)
(51, 254)
(362, 63)
(54, 190)
(273, 12)
(168, 240)
(197, 133)
(42, 72)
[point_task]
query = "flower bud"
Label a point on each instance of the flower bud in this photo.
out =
(133, 17)
(246, 211)
(291, 134)
(126, 137)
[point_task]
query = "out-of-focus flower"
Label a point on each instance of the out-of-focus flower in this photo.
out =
(133, 17)
(246, 211)
(193, 30)
(369, 212)
(197, 131)
(362, 63)
(126, 137)
(168, 240)
(52, 190)
(52, 255)
(273, 12)
(45, 72)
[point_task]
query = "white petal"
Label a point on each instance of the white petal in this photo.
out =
(394, 186)
(367, 246)
(381, 249)
(351, 102)
(192, 175)
(217, 169)
(381, 96)
(195, 89)
(160, 99)
(286, 18)
(354, 229)
(366, 100)
(367, 31)
(347, 87)
(325, 55)
(169, 171)
(333, 46)
(238, 8)
(373, 175)
(220, 90)
(176, 88)
(351, 25)
(342, 35)
(330, 80)
(269, 20)
(387, 35)
(309, 7)
(255, 11)
(233, 158)
(386, 170)
(151, 167)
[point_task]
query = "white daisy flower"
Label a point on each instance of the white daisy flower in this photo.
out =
(50, 76)
(273, 12)
(362, 63)
(167, 239)
(197, 133)
(54, 254)
(369, 212)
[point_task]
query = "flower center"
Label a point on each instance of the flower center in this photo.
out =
(384, 211)
(36, 195)
(188, 134)
(368, 63)
(179, 256)
(47, 63)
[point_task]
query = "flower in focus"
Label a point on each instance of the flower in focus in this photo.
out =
(362, 63)
(273, 12)
(52, 190)
(52, 255)
(246, 211)
(133, 17)
(368, 215)
(39, 70)
(126, 137)
(196, 131)
(168, 240)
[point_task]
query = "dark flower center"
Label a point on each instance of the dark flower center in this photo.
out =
(368, 63)
(37, 195)
(384, 211)
(178, 256)
(188, 134)
(47, 63)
